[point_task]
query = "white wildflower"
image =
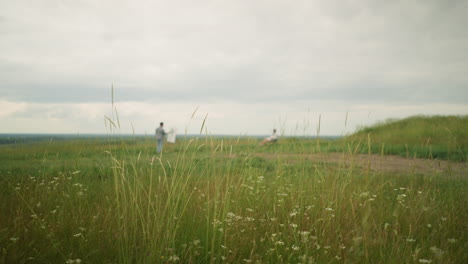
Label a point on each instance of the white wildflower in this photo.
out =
(425, 261)
(231, 215)
(304, 236)
(364, 194)
(437, 251)
(71, 261)
(173, 258)
(279, 242)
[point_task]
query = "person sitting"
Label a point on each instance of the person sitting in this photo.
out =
(271, 139)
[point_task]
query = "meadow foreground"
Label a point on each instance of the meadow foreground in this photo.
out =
(206, 200)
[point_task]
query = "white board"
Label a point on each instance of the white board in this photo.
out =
(171, 136)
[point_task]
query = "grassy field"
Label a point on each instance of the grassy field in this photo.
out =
(213, 200)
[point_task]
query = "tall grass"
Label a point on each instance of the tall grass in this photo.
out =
(207, 200)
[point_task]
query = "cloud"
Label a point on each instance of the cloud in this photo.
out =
(264, 56)
(74, 50)
(226, 117)
(10, 108)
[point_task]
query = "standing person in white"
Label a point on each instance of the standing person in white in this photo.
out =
(160, 133)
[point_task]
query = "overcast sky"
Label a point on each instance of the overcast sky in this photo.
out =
(251, 66)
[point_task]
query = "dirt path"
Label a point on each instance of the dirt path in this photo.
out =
(386, 163)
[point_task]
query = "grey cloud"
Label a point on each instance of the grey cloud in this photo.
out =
(281, 51)
(251, 90)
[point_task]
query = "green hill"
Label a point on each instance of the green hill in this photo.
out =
(444, 137)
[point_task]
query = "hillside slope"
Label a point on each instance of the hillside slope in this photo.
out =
(444, 137)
